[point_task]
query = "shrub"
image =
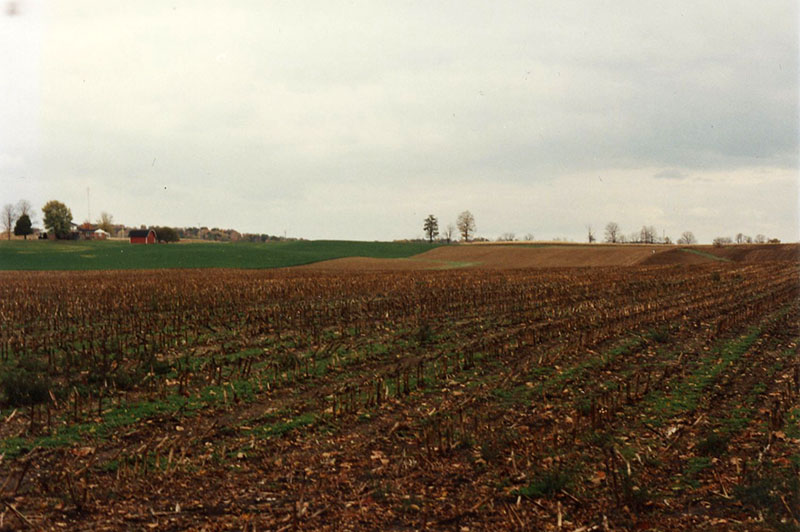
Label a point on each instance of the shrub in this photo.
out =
(713, 445)
(26, 385)
(546, 483)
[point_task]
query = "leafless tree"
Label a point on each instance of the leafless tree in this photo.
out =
(9, 215)
(106, 222)
(722, 240)
(590, 234)
(24, 207)
(739, 238)
(449, 232)
(466, 225)
(612, 232)
(528, 237)
(687, 238)
(760, 239)
(647, 234)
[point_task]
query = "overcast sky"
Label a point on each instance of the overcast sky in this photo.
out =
(355, 120)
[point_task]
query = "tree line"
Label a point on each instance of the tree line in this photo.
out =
(18, 218)
(613, 234)
(465, 224)
(58, 221)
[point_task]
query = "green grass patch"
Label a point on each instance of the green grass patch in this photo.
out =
(685, 395)
(121, 255)
(546, 483)
(130, 414)
(705, 254)
(283, 426)
(695, 466)
(713, 444)
(793, 423)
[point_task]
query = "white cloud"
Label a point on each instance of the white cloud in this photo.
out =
(538, 116)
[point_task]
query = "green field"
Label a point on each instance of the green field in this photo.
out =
(121, 255)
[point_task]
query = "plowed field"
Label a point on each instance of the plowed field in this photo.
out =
(509, 256)
(605, 398)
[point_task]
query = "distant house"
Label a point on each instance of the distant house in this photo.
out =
(99, 234)
(142, 236)
(86, 231)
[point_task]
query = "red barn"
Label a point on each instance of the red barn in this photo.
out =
(142, 236)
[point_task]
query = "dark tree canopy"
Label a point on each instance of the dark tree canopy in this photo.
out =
(431, 227)
(23, 226)
(57, 218)
(166, 234)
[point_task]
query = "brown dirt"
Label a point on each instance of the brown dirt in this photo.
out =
(676, 256)
(541, 257)
(509, 256)
(756, 252)
(370, 264)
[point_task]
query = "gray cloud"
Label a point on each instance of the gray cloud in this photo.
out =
(670, 173)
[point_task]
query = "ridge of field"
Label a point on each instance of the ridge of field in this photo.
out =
(555, 255)
(121, 255)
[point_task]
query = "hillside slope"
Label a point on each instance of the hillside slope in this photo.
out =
(504, 256)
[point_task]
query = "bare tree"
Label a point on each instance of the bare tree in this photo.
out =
(507, 237)
(739, 238)
(590, 234)
(106, 222)
(24, 208)
(431, 227)
(528, 237)
(9, 215)
(449, 232)
(721, 241)
(687, 238)
(466, 225)
(612, 232)
(760, 239)
(647, 234)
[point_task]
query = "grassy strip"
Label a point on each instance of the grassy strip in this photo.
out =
(705, 254)
(120, 255)
(123, 416)
(685, 396)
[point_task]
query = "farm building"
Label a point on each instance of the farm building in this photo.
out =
(142, 236)
(99, 234)
(86, 231)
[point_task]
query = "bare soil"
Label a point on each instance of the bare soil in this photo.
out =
(511, 256)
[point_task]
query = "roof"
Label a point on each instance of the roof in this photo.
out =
(140, 233)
